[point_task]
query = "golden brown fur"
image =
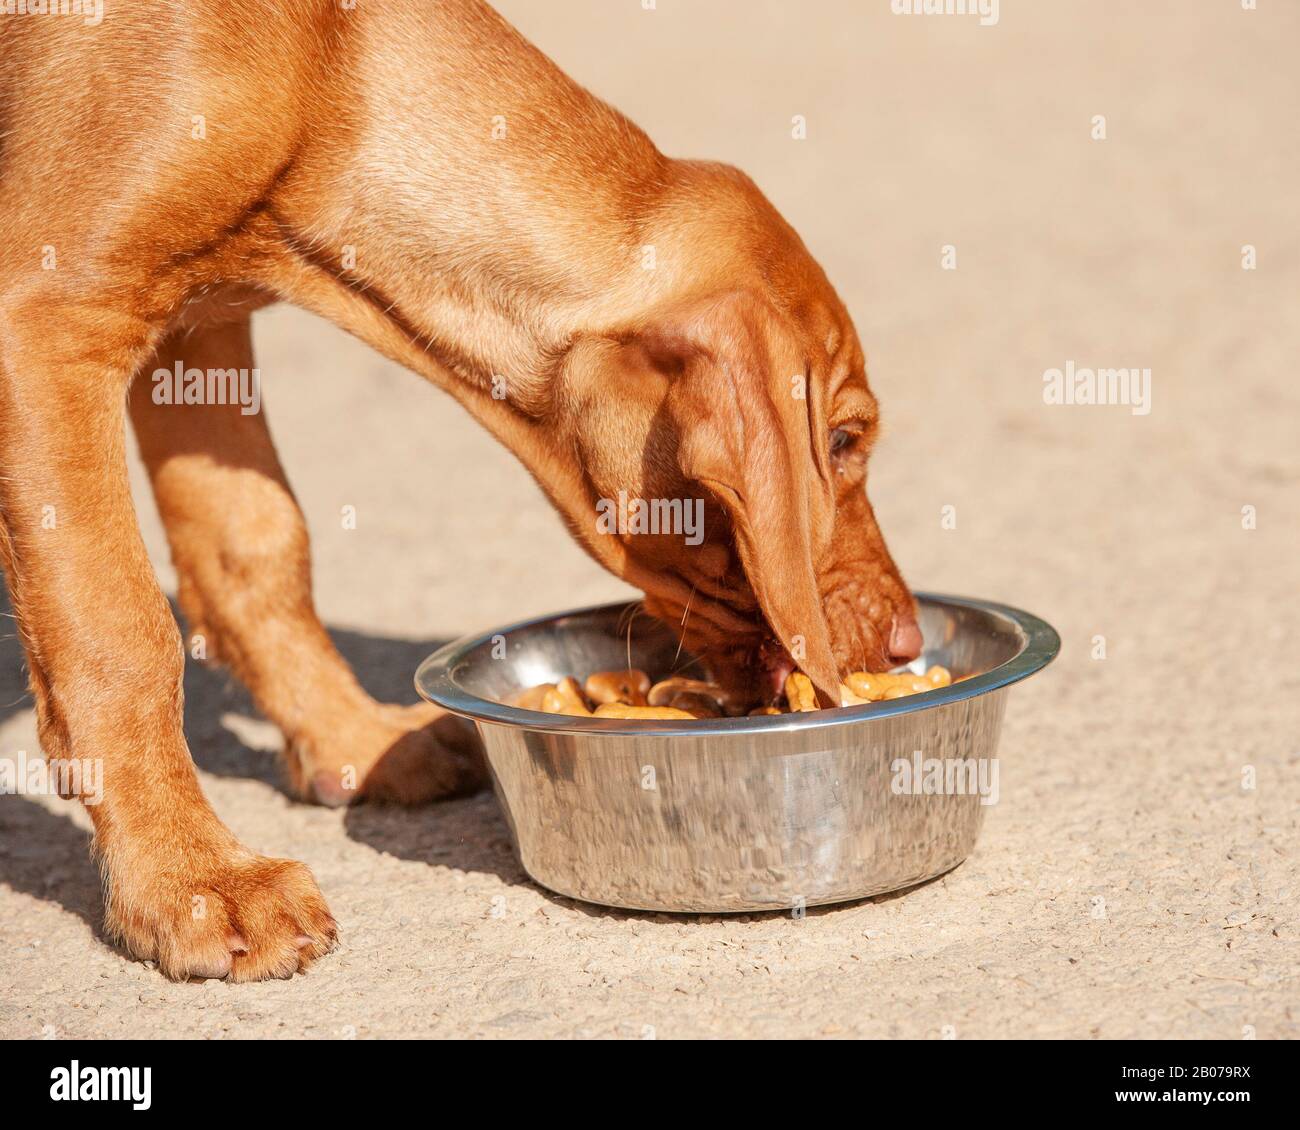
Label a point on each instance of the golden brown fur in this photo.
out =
(354, 162)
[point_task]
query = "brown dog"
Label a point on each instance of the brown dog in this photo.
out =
(425, 178)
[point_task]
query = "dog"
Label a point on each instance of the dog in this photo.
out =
(425, 178)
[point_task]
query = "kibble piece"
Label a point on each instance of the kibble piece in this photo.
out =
(666, 692)
(628, 687)
(566, 698)
(867, 687)
(848, 698)
(799, 693)
(534, 698)
(643, 713)
(696, 705)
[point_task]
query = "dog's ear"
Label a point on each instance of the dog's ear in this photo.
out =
(747, 428)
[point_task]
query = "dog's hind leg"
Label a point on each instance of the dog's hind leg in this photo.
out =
(239, 543)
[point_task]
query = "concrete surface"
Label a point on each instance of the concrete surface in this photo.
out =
(1129, 883)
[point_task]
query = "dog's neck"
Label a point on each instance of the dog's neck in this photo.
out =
(489, 206)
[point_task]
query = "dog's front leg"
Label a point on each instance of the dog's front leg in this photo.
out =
(106, 664)
(240, 546)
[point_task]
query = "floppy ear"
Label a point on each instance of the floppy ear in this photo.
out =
(747, 432)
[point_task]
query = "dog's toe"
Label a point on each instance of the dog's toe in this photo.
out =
(284, 919)
(332, 789)
(215, 968)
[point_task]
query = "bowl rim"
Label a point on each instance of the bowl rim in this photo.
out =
(434, 682)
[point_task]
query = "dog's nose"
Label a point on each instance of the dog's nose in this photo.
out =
(904, 638)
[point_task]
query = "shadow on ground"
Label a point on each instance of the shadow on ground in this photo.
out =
(44, 853)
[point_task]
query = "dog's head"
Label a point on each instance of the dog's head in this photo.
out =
(748, 408)
(704, 427)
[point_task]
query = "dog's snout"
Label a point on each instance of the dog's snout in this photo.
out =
(904, 638)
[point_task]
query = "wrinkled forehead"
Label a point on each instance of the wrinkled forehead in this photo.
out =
(827, 331)
(845, 364)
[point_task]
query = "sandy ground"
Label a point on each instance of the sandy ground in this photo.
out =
(1128, 884)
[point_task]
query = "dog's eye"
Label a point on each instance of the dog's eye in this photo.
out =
(841, 440)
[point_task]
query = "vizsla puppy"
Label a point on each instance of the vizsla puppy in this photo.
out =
(425, 178)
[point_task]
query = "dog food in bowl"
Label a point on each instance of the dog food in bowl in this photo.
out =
(630, 694)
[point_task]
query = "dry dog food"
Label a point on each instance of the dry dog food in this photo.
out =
(630, 694)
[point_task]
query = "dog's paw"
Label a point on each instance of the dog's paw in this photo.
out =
(217, 911)
(393, 754)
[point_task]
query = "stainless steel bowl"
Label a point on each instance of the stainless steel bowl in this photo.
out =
(737, 814)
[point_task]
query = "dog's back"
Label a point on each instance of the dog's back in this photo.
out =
(120, 140)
